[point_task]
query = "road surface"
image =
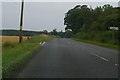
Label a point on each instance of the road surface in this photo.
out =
(66, 58)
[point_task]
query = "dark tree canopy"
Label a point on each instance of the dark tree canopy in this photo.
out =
(83, 18)
(93, 24)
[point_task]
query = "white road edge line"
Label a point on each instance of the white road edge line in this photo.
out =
(100, 57)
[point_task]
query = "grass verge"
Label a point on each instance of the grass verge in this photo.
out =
(14, 57)
(116, 47)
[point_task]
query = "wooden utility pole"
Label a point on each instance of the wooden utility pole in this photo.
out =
(21, 22)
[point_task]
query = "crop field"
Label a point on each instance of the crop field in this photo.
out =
(12, 39)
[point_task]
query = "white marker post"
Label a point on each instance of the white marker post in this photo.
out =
(113, 28)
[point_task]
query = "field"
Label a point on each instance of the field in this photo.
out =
(12, 39)
(14, 55)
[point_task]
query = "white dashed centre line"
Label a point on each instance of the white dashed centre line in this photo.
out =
(100, 57)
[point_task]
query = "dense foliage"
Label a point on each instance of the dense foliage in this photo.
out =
(93, 24)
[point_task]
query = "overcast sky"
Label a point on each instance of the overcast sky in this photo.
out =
(40, 16)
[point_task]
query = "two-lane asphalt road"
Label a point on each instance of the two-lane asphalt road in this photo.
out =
(66, 58)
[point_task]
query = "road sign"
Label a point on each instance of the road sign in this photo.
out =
(114, 28)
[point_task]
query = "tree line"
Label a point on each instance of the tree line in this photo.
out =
(35, 33)
(93, 24)
(16, 33)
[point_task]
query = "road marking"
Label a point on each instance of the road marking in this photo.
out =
(100, 57)
(116, 64)
(42, 43)
(103, 58)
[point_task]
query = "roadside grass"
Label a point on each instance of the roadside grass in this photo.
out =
(116, 47)
(43, 38)
(14, 57)
(8, 45)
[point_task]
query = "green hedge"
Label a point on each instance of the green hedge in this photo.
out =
(103, 37)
